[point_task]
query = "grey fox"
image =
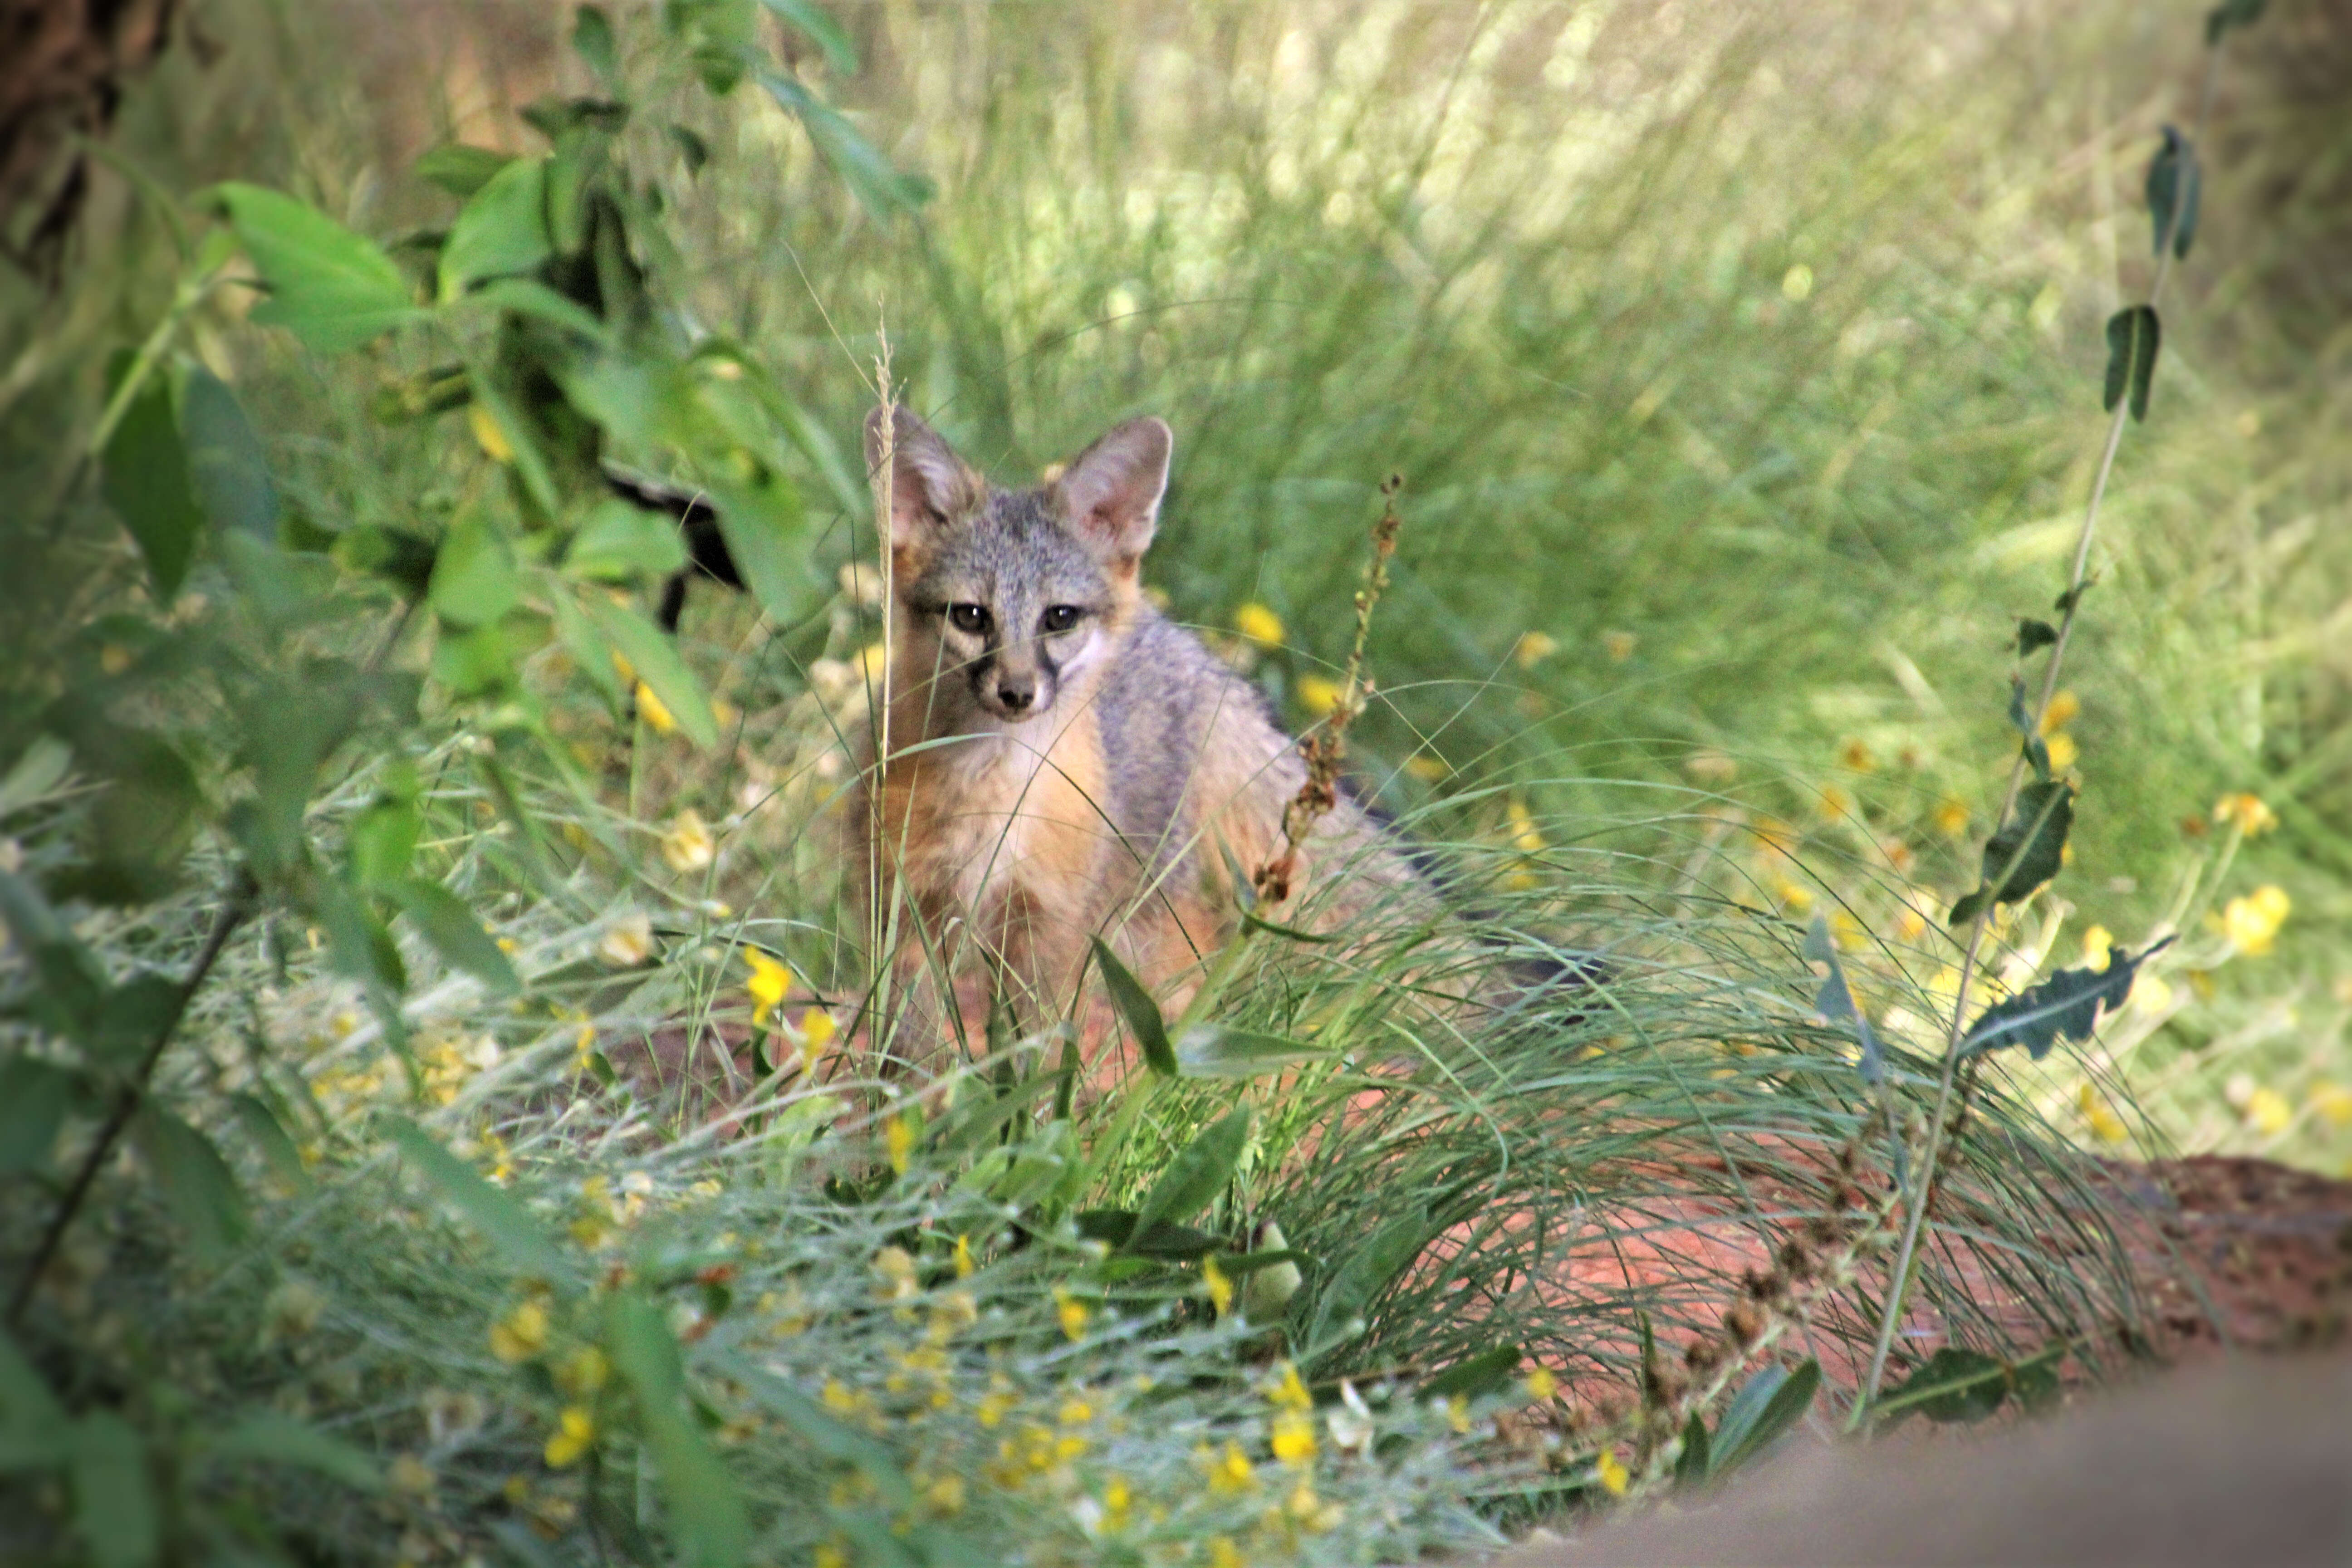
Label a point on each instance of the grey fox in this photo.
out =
(1060, 761)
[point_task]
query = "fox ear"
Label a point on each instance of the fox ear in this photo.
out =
(929, 485)
(1110, 492)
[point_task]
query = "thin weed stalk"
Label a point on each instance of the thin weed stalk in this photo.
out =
(1916, 1217)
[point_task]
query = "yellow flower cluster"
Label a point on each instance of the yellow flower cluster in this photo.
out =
(2244, 812)
(2252, 923)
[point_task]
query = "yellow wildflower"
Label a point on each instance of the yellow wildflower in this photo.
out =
(1318, 694)
(829, 1554)
(1533, 649)
(1951, 818)
(771, 982)
(1526, 837)
(1221, 1288)
(2247, 812)
(1619, 645)
(574, 1434)
(520, 1334)
(945, 1495)
(1074, 1411)
(2062, 752)
(2063, 708)
(2098, 947)
(1294, 1437)
(688, 846)
(1614, 1479)
(1071, 1313)
(1223, 1554)
(817, 1032)
(2251, 922)
(1117, 1501)
(2101, 1116)
(654, 710)
(1835, 803)
(2151, 991)
(1258, 623)
(1542, 1384)
(2332, 1103)
(1909, 924)
(584, 1371)
(1793, 893)
(1425, 767)
(1856, 755)
(2268, 1112)
(487, 434)
(898, 1133)
(964, 1263)
(1232, 1470)
(897, 1267)
(1457, 1415)
(1288, 1393)
(627, 941)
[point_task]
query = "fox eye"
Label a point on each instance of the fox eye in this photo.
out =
(972, 618)
(1059, 617)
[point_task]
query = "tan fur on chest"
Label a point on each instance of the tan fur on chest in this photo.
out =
(975, 823)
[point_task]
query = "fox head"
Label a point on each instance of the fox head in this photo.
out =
(1006, 597)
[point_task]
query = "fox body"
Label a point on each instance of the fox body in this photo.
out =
(1058, 761)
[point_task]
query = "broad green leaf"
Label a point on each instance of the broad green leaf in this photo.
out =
(592, 41)
(145, 478)
(2133, 338)
(1212, 1050)
(382, 841)
(474, 576)
(819, 1429)
(2033, 635)
(274, 1438)
(330, 288)
(1770, 1403)
(2067, 1005)
(520, 439)
(1693, 1465)
(501, 230)
(34, 1098)
(113, 1493)
(1197, 1172)
(39, 769)
(25, 1402)
(656, 662)
(2174, 188)
(1477, 1376)
(459, 169)
(1954, 1385)
(590, 653)
(196, 1182)
(766, 531)
(2032, 844)
(1165, 1240)
(227, 463)
(880, 188)
(1835, 1002)
(620, 541)
(1136, 1008)
(271, 1141)
(707, 1514)
(454, 929)
(1359, 1280)
(509, 1230)
(528, 297)
(826, 33)
(357, 942)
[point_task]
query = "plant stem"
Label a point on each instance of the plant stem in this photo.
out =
(236, 904)
(1931, 1153)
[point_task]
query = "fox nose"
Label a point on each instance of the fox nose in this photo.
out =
(1017, 695)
